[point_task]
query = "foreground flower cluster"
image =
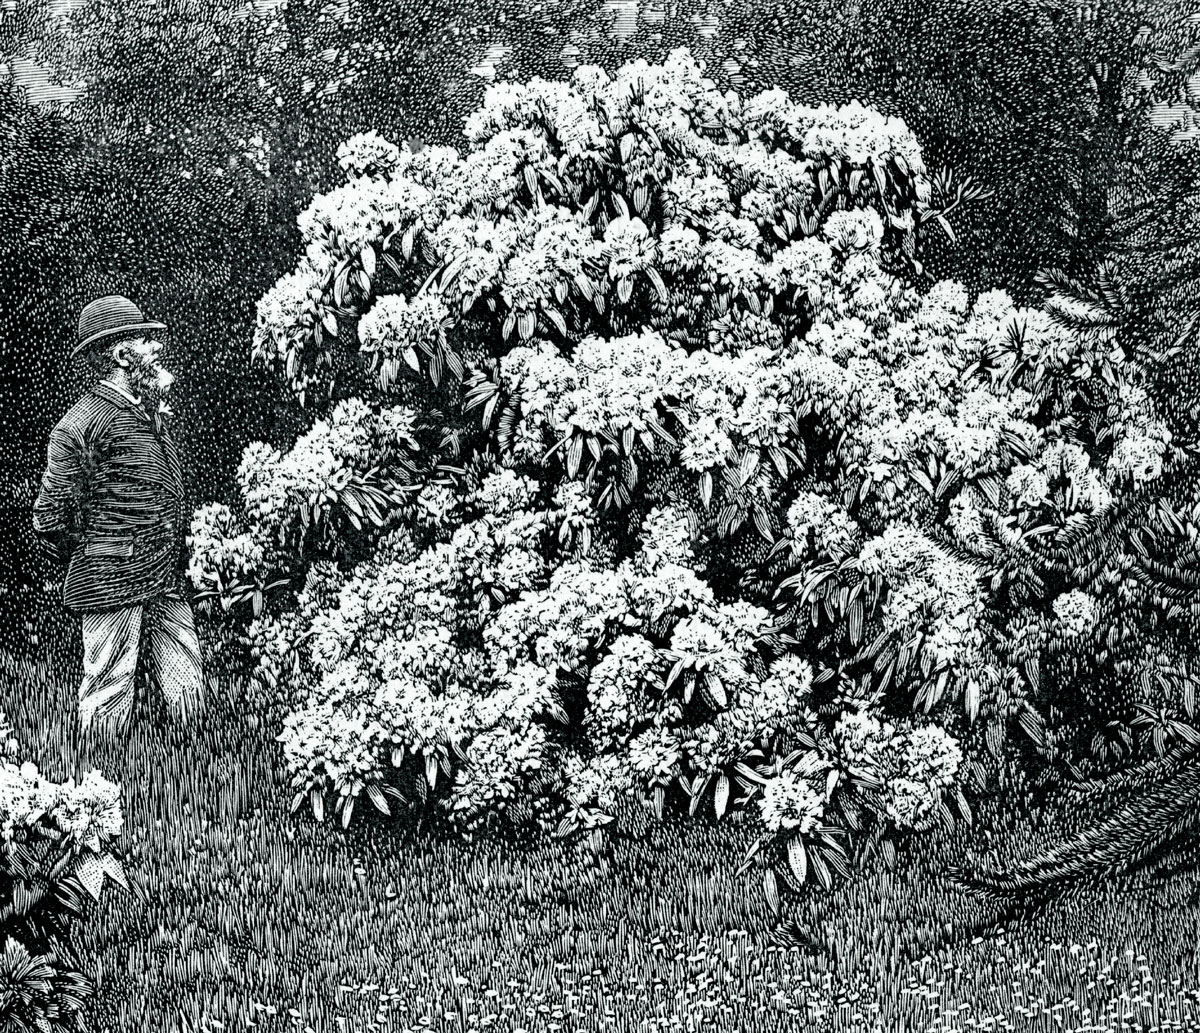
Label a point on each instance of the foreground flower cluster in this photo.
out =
(56, 850)
(680, 485)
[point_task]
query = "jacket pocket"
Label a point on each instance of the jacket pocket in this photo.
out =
(100, 545)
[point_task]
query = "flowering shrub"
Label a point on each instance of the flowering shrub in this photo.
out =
(727, 490)
(55, 852)
(337, 484)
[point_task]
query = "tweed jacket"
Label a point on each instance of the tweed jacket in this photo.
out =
(112, 503)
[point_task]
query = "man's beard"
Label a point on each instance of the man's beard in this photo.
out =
(151, 381)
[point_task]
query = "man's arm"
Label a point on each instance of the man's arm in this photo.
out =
(56, 512)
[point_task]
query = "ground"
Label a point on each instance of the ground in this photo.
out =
(241, 915)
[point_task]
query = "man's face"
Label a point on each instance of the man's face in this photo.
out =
(140, 357)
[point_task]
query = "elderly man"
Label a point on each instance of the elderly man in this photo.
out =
(112, 505)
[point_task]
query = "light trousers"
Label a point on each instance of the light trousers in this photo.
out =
(112, 641)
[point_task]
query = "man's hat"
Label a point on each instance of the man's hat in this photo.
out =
(106, 317)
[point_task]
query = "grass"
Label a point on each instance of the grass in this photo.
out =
(241, 916)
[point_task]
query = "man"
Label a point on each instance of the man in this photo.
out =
(112, 505)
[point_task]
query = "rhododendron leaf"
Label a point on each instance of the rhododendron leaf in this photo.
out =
(556, 317)
(378, 799)
(1031, 724)
(964, 808)
(1032, 673)
(660, 799)
(90, 873)
(721, 796)
(994, 736)
(489, 410)
(574, 455)
(798, 859)
(854, 619)
(431, 770)
(771, 889)
(656, 281)
(818, 865)
(316, 799)
(945, 815)
(706, 487)
(832, 778)
(971, 700)
(390, 261)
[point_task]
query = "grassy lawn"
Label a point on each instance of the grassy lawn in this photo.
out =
(242, 916)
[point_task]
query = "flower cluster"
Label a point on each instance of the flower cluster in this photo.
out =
(367, 154)
(361, 213)
(289, 312)
(857, 230)
(928, 591)
(1075, 612)
(1142, 439)
(394, 325)
(791, 804)
(221, 550)
(84, 815)
(859, 135)
(820, 527)
(916, 764)
(351, 441)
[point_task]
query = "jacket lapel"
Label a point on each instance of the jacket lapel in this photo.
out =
(165, 443)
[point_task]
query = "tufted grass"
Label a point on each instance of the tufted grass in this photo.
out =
(241, 916)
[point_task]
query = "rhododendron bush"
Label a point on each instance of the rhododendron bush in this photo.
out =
(56, 852)
(683, 484)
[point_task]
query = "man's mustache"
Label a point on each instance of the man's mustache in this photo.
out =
(154, 376)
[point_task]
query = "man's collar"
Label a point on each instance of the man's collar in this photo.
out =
(120, 390)
(119, 396)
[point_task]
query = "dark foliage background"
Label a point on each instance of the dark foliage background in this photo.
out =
(164, 149)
